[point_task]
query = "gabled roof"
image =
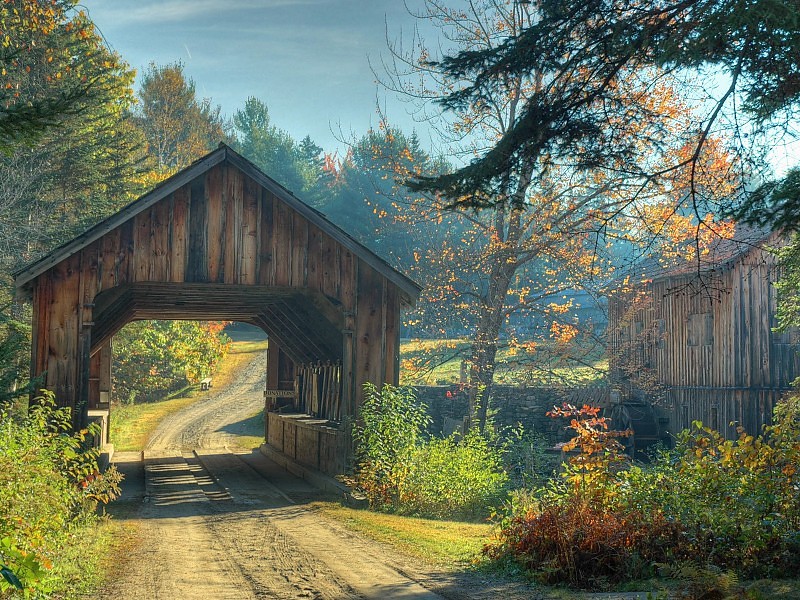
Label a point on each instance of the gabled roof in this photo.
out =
(722, 254)
(222, 154)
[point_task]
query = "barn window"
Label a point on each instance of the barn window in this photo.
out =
(700, 330)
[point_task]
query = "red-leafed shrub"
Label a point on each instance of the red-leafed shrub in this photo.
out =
(587, 547)
(709, 506)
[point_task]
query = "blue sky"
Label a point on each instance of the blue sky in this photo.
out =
(307, 59)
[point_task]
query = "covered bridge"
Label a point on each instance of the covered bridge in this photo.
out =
(220, 240)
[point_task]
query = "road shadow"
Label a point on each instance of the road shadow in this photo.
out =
(210, 482)
(251, 426)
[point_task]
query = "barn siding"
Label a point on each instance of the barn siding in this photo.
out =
(737, 377)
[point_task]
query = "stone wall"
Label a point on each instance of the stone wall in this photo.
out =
(448, 405)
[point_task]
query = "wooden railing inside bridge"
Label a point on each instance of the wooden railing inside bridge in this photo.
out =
(318, 390)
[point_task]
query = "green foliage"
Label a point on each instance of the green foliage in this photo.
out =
(296, 166)
(788, 313)
(392, 425)
(400, 469)
(53, 65)
(178, 126)
(774, 204)
(61, 173)
(737, 500)
(594, 472)
(711, 505)
(14, 355)
(454, 477)
(153, 358)
(584, 50)
(50, 485)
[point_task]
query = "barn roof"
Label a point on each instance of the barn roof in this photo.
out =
(723, 253)
(23, 277)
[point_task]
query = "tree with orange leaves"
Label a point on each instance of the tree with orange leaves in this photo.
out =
(544, 227)
(52, 65)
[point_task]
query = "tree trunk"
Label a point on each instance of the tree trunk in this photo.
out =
(504, 262)
(484, 345)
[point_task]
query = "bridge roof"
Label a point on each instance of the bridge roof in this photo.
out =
(26, 275)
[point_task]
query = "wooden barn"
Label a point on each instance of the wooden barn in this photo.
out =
(220, 240)
(697, 344)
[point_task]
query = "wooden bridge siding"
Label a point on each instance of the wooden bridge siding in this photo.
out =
(56, 323)
(155, 245)
(185, 237)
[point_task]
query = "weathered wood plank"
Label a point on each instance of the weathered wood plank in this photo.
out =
(179, 245)
(250, 232)
(266, 271)
(142, 260)
(369, 329)
(316, 266)
(391, 334)
(159, 240)
(298, 274)
(197, 264)
(282, 243)
(216, 201)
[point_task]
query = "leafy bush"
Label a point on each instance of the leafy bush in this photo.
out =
(738, 500)
(454, 476)
(579, 543)
(400, 469)
(49, 487)
(709, 505)
(392, 426)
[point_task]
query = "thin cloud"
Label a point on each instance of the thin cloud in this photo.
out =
(172, 11)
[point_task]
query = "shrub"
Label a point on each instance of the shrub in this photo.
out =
(710, 505)
(579, 543)
(454, 476)
(49, 487)
(392, 425)
(739, 500)
(400, 469)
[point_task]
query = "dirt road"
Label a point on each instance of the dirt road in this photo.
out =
(207, 520)
(215, 522)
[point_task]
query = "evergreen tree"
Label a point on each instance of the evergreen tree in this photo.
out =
(52, 65)
(296, 166)
(583, 52)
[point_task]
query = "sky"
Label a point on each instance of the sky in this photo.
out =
(308, 60)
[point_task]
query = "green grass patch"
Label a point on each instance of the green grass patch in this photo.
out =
(438, 362)
(81, 564)
(132, 424)
(448, 544)
(250, 432)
